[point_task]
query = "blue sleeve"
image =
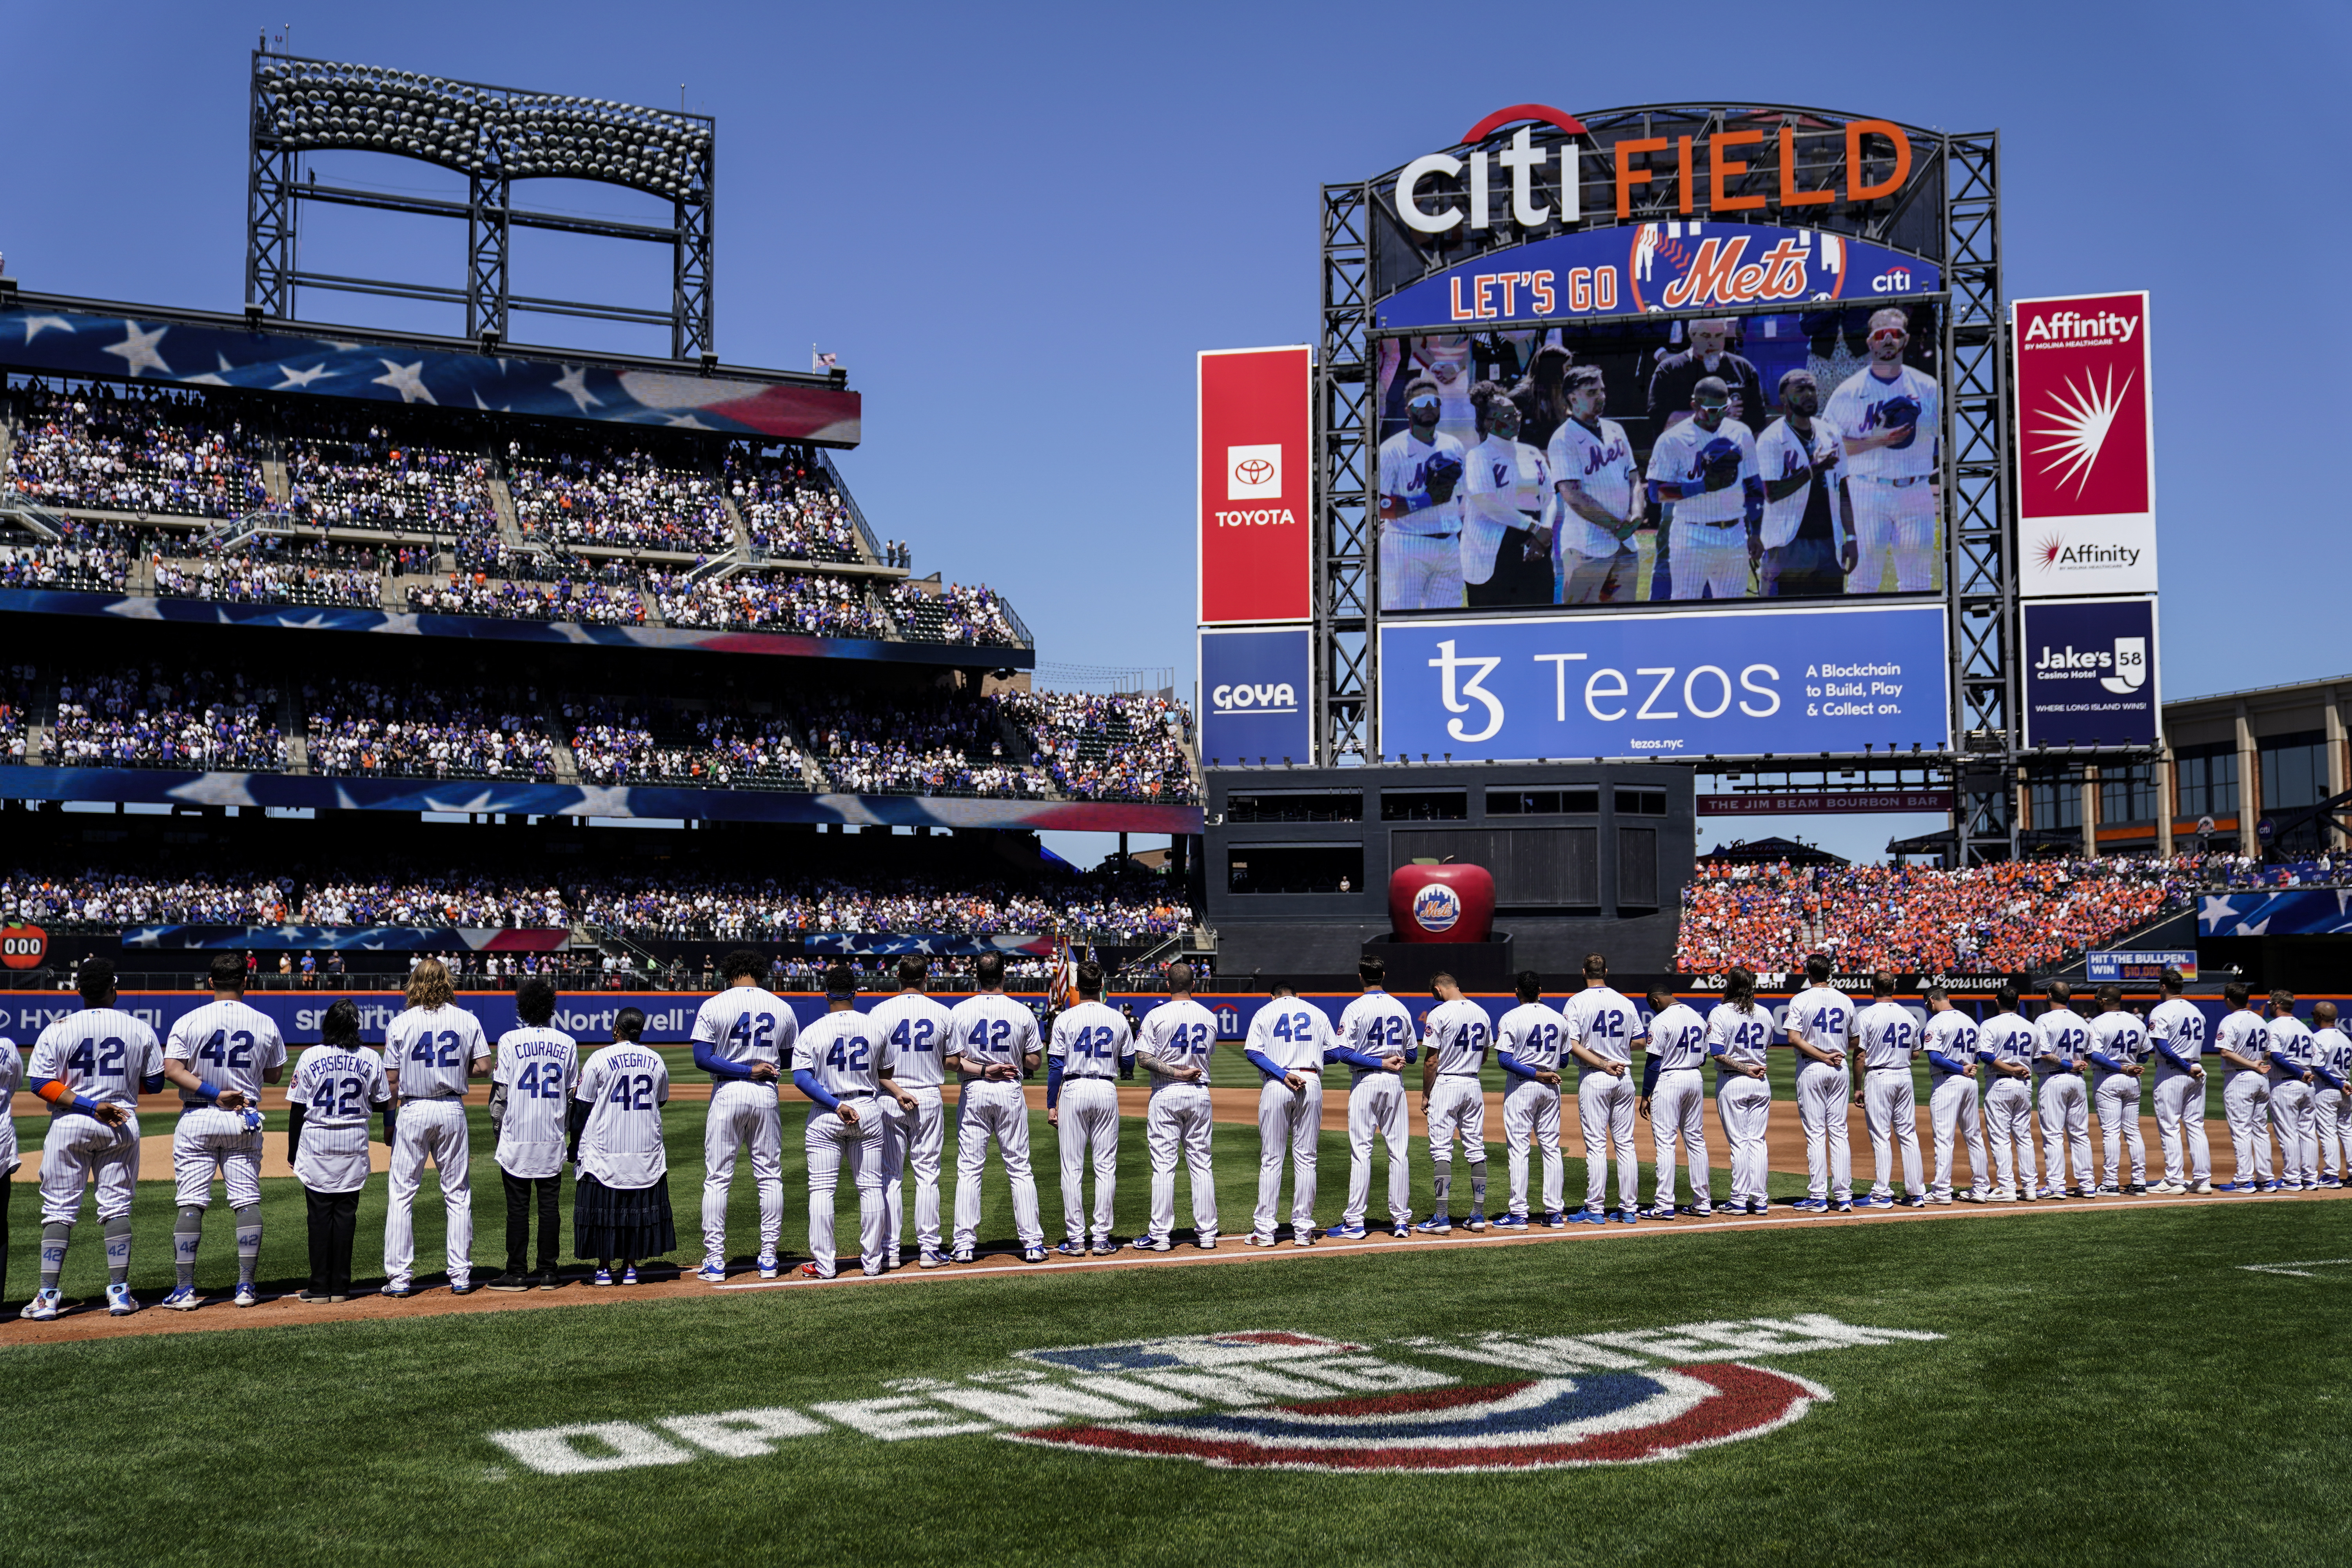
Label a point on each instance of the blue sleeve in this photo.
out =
(1751, 510)
(1650, 1073)
(80, 1102)
(806, 1081)
(1412, 1055)
(2283, 1064)
(2329, 1079)
(1657, 489)
(1053, 1082)
(153, 1084)
(1353, 1058)
(1265, 1064)
(2101, 1058)
(1947, 1063)
(1993, 1057)
(2169, 1054)
(706, 1057)
(1512, 1065)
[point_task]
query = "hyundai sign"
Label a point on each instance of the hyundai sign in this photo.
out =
(2090, 672)
(1258, 696)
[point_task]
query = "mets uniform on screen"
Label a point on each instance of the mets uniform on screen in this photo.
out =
(2005, 1045)
(537, 1065)
(1447, 360)
(1892, 486)
(1737, 1039)
(1527, 1042)
(338, 1087)
(1589, 564)
(105, 1056)
(1082, 1071)
(228, 1045)
(1709, 540)
(738, 1032)
(994, 1030)
(429, 1052)
(2246, 1096)
(1287, 1040)
(1421, 552)
(1507, 481)
(2176, 1033)
(1374, 1027)
(2118, 1045)
(916, 1028)
(2058, 1058)
(2331, 1103)
(1887, 1035)
(1782, 453)
(1178, 1034)
(1954, 1111)
(1679, 1046)
(838, 1062)
(2290, 1054)
(1823, 1017)
(1605, 1024)
(1457, 1037)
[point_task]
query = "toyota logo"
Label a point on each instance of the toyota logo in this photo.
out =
(1254, 471)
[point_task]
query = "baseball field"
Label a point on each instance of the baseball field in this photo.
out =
(2131, 1381)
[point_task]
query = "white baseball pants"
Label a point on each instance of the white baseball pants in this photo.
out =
(1890, 1109)
(1375, 1105)
(434, 1129)
(2291, 1114)
(2066, 1130)
(743, 1115)
(1744, 1105)
(1679, 1113)
(2180, 1109)
(1581, 579)
(1418, 572)
(1893, 525)
(1953, 1110)
(1288, 1121)
(209, 1142)
(1457, 1106)
(1177, 1118)
(912, 1139)
(1711, 557)
(1090, 1131)
(2331, 1123)
(2009, 1120)
(2246, 1102)
(1604, 1112)
(1822, 1108)
(2116, 1101)
(832, 1143)
(1532, 1109)
(82, 1150)
(998, 1110)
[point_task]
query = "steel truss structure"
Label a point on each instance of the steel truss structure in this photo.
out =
(494, 136)
(1948, 209)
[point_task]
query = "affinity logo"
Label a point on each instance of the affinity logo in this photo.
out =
(2080, 414)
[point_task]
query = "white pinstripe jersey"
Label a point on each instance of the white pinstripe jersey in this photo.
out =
(1374, 1025)
(99, 1052)
(1823, 1017)
(1678, 1038)
(2061, 1036)
(2176, 1023)
(1603, 1023)
(338, 1087)
(992, 1027)
(1456, 1036)
(1886, 1034)
(748, 1024)
(227, 1044)
(2119, 1036)
(624, 1086)
(539, 1065)
(12, 1079)
(1089, 1039)
(1531, 1033)
(1180, 1033)
(916, 1027)
(2007, 1037)
(844, 1052)
(430, 1049)
(2289, 1039)
(1738, 1039)
(1954, 1035)
(2244, 1033)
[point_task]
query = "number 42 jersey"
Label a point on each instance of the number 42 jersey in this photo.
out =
(624, 1087)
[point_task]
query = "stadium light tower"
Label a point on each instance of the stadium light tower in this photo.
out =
(494, 136)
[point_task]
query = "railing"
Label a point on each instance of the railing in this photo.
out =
(40, 521)
(856, 517)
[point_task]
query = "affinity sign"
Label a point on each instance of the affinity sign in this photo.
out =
(1256, 485)
(2085, 462)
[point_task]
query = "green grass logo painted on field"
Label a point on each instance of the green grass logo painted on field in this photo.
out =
(1277, 1399)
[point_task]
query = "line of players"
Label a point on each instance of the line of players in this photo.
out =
(1823, 496)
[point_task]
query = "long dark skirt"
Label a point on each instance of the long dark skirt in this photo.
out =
(621, 1222)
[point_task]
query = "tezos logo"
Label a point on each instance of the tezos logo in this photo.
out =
(1436, 908)
(1254, 473)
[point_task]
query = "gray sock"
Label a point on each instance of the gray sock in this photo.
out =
(118, 1249)
(187, 1235)
(248, 1242)
(1442, 1190)
(54, 1236)
(1478, 1186)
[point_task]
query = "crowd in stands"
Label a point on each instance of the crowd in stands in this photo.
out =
(900, 553)
(955, 614)
(137, 448)
(417, 729)
(92, 559)
(789, 507)
(16, 709)
(463, 901)
(89, 896)
(271, 571)
(377, 471)
(2014, 917)
(165, 719)
(620, 496)
(942, 744)
(688, 907)
(1123, 747)
(610, 746)
(819, 604)
(589, 601)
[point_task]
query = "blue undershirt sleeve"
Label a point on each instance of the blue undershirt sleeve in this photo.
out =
(806, 1081)
(2169, 1054)
(1512, 1065)
(2101, 1058)
(1053, 1082)
(153, 1084)
(1650, 1075)
(1946, 1063)
(706, 1057)
(1354, 1059)
(2329, 1079)
(1265, 1064)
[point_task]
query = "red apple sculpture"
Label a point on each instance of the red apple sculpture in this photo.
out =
(1442, 903)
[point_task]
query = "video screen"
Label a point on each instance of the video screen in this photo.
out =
(1794, 456)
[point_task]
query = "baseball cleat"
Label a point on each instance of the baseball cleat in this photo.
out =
(1205, 1243)
(1917, 1201)
(629, 1275)
(1435, 1226)
(1154, 1244)
(1974, 1195)
(769, 1265)
(182, 1299)
(1658, 1211)
(1510, 1222)
(1844, 1205)
(930, 1259)
(2273, 1186)
(1811, 1205)
(2002, 1196)
(1254, 1239)
(1475, 1223)
(462, 1287)
(1074, 1248)
(44, 1306)
(315, 1298)
(1587, 1216)
(602, 1276)
(1555, 1218)
(2137, 1189)
(713, 1274)
(2049, 1195)
(1942, 1202)
(1698, 1211)
(400, 1291)
(962, 1254)
(1874, 1201)
(2331, 1181)
(1105, 1248)
(246, 1296)
(809, 1271)
(1347, 1232)
(1033, 1254)
(1304, 1239)
(1625, 1216)
(1760, 1205)
(119, 1301)
(1402, 1230)
(2109, 1190)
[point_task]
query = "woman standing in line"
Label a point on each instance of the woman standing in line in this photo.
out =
(337, 1086)
(621, 1197)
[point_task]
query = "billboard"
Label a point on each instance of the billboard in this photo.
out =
(1256, 486)
(2086, 457)
(2089, 668)
(2124, 967)
(1257, 695)
(1790, 454)
(1681, 684)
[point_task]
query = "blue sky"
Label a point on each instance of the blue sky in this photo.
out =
(1016, 225)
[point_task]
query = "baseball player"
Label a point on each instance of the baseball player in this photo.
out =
(1288, 1042)
(1526, 1045)
(1420, 517)
(1886, 1040)
(2331, 1101)
(1706, 466)
(91, 1067)
(1376, 1041)
(1737, 1033)
(219, 1056)
(1821, 1028)
(430, 1052)
(1447, 361)
(1806, 554)
(1952, 1042)
(1674, 1099)
(532, 1082)
(1887, 416)
(337, 1086)
(1505, 485)
(842, 1064)
(2291, 1054)
(1177, 1039)
(1091, 1050)
(2005, 1048)
(993, 1045)
(2062, 1038)
(2176, 1031)
(12, 1079)
(2244, 1043)
(1453, 1050)
(1598, 507)
(742, 1038)
(2118, 1053)
(1600, 1030)
(915, 1027)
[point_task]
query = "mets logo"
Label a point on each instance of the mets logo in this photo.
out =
(1436, 908)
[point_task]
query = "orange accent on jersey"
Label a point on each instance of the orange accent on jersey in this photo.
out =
(55, 1091)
